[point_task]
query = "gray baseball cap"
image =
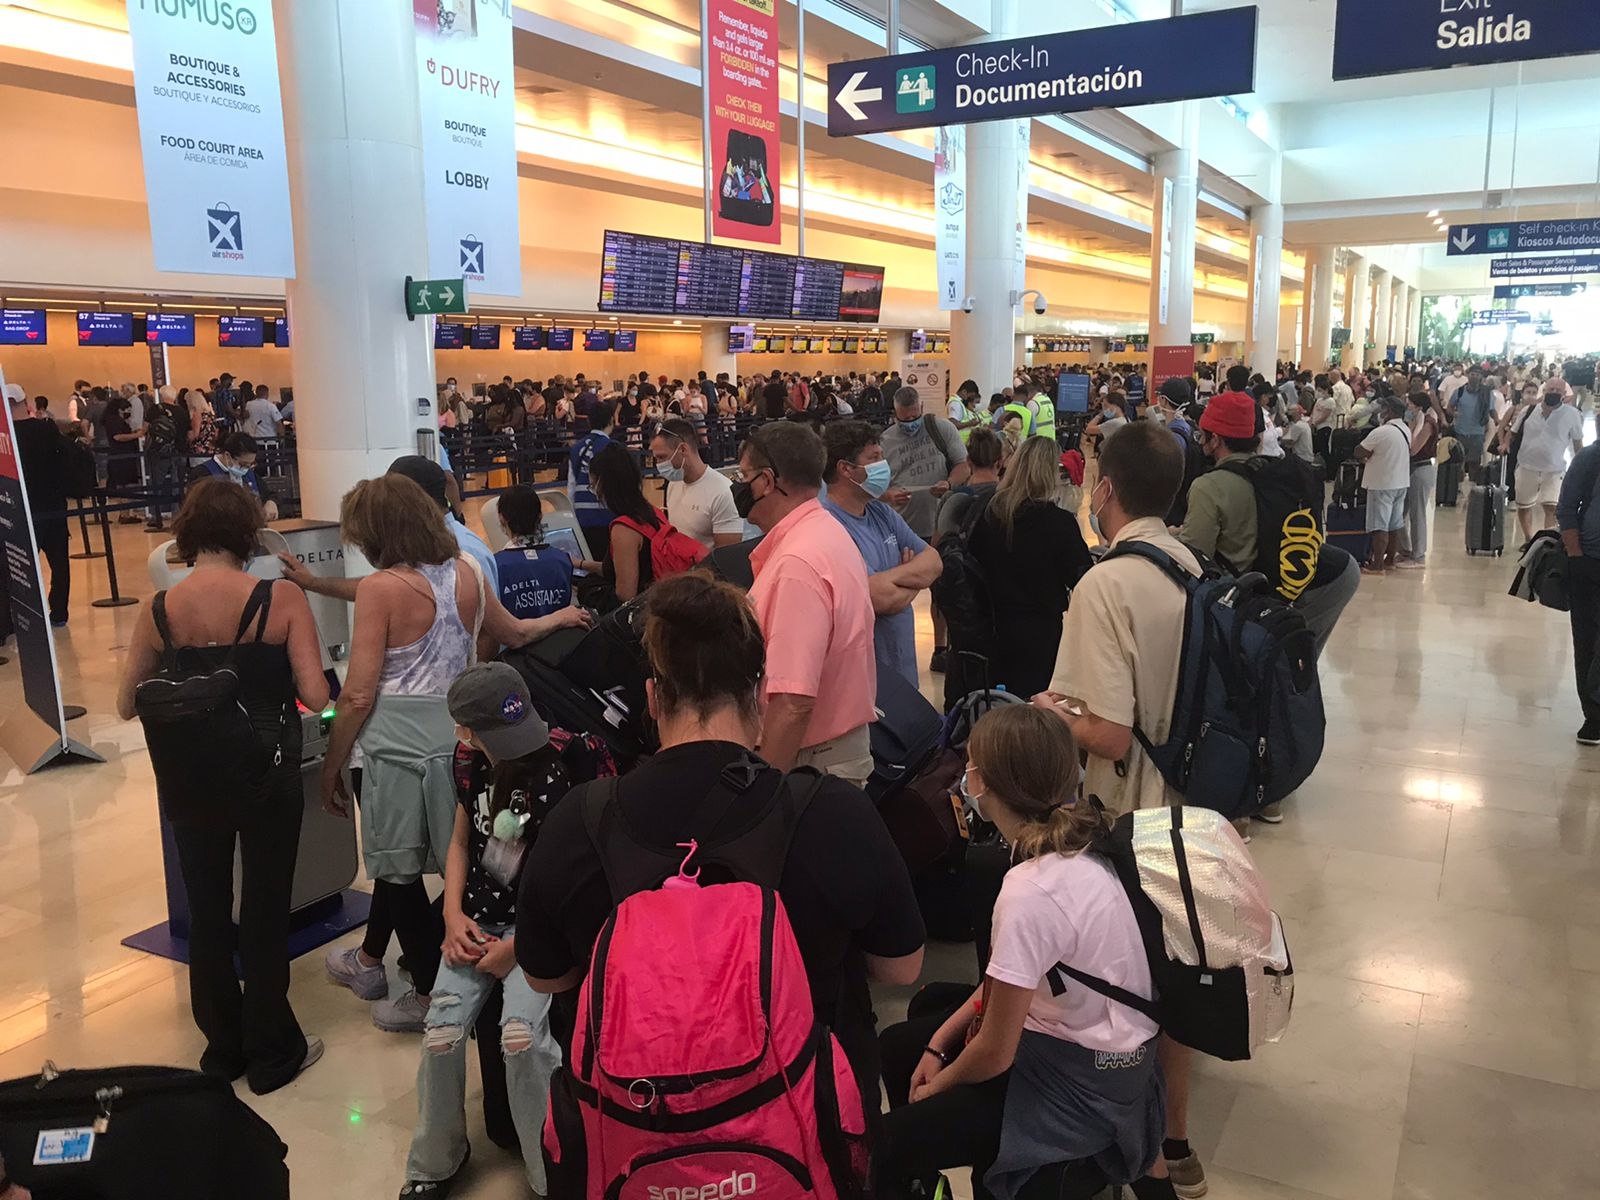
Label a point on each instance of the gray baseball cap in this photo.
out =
(492, 700)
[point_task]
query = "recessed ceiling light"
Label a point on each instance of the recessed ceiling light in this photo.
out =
(677, 322)
(1433, 212)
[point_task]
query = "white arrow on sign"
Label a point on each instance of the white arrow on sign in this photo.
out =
(1464, 240)
(852, 95)
(448, 295)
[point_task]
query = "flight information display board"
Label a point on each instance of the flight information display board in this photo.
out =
(23, 327)
(105, 329)
(485, 337)
(240, 333)
(626, 341)
(641, 273)
(172, 329)
(449, 335)
(527, 337)
(560, 338)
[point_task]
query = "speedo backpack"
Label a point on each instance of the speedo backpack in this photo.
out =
(671, 551)
(698, 1070)
(1247, 718)
(1289, 526)
(1223, 977)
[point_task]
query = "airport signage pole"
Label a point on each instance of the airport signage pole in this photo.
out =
(1390, 37)
(800, 126)
(1524, 237)
(1113, 66)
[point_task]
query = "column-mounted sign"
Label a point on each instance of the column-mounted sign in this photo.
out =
(469, 142)
(1387, 37)
(1113, 66)
(1170, 362)
(1019, 251)
(1524, 237)
(745, 130)
(1535, 267)
(950, 215)
(216, 179)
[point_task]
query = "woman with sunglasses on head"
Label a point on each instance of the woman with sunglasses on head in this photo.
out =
(1044, 1086)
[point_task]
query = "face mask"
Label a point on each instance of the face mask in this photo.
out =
(744, 497)
(1552, 400)
(1094, 515)
(913, 426)
(877, 481)
(239, 472)
(669, 472)
(973, 801)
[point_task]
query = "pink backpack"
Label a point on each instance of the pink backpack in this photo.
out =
(698, 1070)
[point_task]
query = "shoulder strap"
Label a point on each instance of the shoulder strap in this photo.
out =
(937, 434)
(158, 610)
(255, 608)
(1154, 554)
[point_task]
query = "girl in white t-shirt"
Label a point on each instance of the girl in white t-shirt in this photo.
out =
(1034, 1071)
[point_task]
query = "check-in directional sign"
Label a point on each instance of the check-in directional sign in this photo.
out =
(1524, 237)
(1535, 267)
(1112, 66)
(424, 296)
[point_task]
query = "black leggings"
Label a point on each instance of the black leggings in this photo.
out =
(404, 909)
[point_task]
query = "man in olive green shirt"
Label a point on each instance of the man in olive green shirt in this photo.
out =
(1221, 519)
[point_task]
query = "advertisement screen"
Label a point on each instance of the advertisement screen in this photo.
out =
(23, 327)
(172, 329)
(105, 329)
(527, 337)
(560, 338)
(861, 294)
(449, 335)
(485, 337)
(239, 332)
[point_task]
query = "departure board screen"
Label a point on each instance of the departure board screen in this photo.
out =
(641, 273)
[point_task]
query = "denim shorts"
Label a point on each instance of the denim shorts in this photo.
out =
(1386, 509)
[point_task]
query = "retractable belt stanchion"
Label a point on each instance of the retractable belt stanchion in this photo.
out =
(83, 530)
(116, 599)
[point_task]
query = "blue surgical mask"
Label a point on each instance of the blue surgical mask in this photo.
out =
(974, 802)
(669, 472)
(913, 426)
(877, 481)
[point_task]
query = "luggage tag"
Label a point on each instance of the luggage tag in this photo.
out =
(63, 1147)
(505, 850)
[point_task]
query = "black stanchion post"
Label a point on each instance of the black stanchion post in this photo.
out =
(116, 599)
(83, 529)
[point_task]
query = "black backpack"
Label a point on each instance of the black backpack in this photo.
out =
(203, 745)
(1195, 464)
(1289, 521)
(961, 592)
(163, 431)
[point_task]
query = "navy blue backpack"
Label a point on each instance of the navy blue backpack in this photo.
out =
(1247, 718)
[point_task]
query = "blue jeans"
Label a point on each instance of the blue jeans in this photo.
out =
(439, 1145)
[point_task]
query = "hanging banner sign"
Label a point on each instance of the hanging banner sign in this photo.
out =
(1524, 237)
(1112, 66)
(30, 743)
(1388, 37)
(1518, 291)
(1170, 362)
(216, 178)
(1533, 267)
(742, 94)
(950, 215)
(469, 142)
(1019, 258)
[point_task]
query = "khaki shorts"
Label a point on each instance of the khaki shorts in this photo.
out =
(847, 757)
(1537, 487)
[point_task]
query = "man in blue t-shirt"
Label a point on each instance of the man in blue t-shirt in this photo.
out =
(899, 563)
(535, 578)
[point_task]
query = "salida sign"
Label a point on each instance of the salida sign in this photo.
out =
(1386, 37)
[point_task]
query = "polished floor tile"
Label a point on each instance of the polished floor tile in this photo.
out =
(1439, 879)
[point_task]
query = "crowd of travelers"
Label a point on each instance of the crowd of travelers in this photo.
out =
(564, 861)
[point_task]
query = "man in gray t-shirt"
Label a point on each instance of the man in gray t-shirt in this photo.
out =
(927, 458)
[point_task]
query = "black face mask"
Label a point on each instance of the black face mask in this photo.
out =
(744, 499)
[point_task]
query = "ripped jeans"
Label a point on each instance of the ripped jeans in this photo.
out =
(439, 1144)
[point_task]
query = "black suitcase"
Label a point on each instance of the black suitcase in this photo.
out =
(1345, 525)
(562, 702)
(905, 737)
(131, 1133)
(1448, 492)
(1342, 445)
(609, 660)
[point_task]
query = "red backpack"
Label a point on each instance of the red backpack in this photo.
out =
(698, 1070)
(671, 552)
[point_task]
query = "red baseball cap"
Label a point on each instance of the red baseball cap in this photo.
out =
(1232, 415)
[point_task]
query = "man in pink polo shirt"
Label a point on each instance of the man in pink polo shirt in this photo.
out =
(811, 597)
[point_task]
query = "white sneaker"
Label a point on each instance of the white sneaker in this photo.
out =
(409, 1014)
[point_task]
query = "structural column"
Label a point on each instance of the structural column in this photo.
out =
(1357, 302)
(1414, 318)
(1320, 266)
(1382, 314)
(1266, 276)
(1173, 203)
(353, 126)
(714, 356)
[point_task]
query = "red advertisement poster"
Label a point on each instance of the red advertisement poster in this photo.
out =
(743, 85)
(1170, 362)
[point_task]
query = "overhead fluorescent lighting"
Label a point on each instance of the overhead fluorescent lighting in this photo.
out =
(1433, 212)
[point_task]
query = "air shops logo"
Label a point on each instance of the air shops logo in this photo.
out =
(220, 14)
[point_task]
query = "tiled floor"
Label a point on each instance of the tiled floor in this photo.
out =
(1439, 878)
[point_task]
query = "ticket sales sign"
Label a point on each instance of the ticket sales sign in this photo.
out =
(1538, 267)
(1112, 66)
(1388, 37)
(216, 176)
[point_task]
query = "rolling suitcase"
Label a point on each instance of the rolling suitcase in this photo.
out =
(1345, 525)
(573, 707)
(1486, 513)
(1448, 490)
(130, 1133)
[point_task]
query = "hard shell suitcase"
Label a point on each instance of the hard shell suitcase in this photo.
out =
(1448, 491)
(1345, 524)
(1486, 514)
(130, 1133)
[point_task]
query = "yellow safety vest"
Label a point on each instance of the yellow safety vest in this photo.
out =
(1017, 409)
(1046, 426)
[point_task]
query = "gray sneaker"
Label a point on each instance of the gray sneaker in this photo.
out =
(406, 1015)
(347, 970)
(1188, 1177)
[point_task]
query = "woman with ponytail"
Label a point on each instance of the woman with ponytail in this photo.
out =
(1044, 1086)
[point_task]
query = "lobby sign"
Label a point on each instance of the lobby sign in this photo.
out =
(36, 734)
(1388, 37)
(950, 215)
(1533, 267)
(1112, 66)
(1524, 237)
(469, 142)
(742, 102)
(927, 378)
(205, 78)
(1170, 362)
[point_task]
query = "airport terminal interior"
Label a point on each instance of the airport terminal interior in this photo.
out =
(842, 197)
